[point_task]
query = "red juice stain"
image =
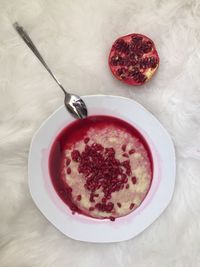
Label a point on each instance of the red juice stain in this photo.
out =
(74, 132)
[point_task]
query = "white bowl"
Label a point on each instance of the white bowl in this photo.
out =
(83, 228)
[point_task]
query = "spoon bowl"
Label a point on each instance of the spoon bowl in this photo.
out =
(75, 105)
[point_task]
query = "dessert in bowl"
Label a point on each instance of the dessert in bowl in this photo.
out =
(101, 167)
(53, 143)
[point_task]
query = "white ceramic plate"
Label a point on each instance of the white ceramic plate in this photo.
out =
(83, 228)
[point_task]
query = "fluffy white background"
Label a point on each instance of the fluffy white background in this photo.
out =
(75, 37)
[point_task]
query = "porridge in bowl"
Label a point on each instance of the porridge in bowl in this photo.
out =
(101, 167)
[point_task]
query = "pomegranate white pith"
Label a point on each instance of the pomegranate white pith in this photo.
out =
(133, 59)
(109, 172)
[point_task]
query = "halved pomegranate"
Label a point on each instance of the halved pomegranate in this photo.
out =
(133, 59)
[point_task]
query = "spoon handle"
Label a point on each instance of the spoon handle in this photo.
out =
(23, 34)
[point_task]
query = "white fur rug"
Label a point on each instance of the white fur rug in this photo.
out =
(75, 37)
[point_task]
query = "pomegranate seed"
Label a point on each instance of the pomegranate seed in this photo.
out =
(127, 186)
(97, 147)
(69, 189)
(119, 204)
(125, 180)
(68, 161)
(98, 186)
(131, 206)
(146, 47)
(125, 155)
(104, 199)
(74, 208)
(91, 208)
(109, 206)
(69, 170)
(118, 186)
(75, 155)
(110, 151)
(86, 140)
(136, 38)
(114, 188)
(134, 180)
(116, 60)
(124, 147)
(131, 151)
(92, 198)
(99, 206)
(112, 218)
(122, 186)
(78, 197)
(114, 181)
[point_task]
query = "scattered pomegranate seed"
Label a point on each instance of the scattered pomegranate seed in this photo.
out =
(134, 180)
(86, 140)
(126, 180)
(104, 207)
(74, 208)
(92, 198)
(75, 155)
(68, 161)
(131, 151)
(69, 170)
(131, 206)
(69, 189)
(78, 197)
(109, 206)
(126, 165)
(124, 147)
(110, 151)
(101, 169)
(97, 164)
(97, 147)
(112, 218)
(119, 204)
(104, 200)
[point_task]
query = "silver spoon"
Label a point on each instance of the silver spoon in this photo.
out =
(73, 103)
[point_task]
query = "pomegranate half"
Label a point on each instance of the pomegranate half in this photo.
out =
(133, 59)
